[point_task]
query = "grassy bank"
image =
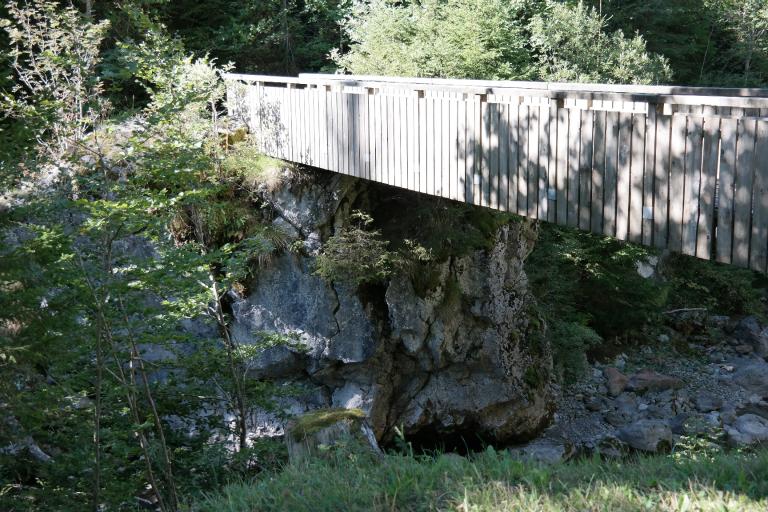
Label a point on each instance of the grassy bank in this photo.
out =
(495, 481)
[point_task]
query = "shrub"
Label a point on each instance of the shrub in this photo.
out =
(355, 254)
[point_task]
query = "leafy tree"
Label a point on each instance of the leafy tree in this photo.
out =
(433, 38)
(572, 45)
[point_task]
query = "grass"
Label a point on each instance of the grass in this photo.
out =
(496, 481)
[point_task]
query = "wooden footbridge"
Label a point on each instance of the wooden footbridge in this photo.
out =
(680, 168)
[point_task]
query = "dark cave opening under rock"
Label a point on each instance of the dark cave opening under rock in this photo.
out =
(462, 441)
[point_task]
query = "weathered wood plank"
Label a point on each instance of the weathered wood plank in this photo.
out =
(492, 152)
(742, 206)
(514, 154)
(543, 167)
(561, 165)
(390, 167)
(649, 176)
(759, 241)
(574, 169)
(503, 141)
(452, 168)
(598, 173)
(461, 154)
(636, 171)
(585, 168)
(692, 187)
(430, 104)
(706, 222)
(423, 136)
(611, 172)
(533, 161)
(522, 170)
(661, 181)
(485, 158)
(402, 123)
(677, 182)
(624, 176)
(728, 139)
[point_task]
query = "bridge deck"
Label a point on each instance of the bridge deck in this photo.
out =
(680, 168)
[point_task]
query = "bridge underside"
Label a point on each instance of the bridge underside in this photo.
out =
(684, 169)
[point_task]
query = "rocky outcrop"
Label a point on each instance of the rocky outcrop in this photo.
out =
(467, 355)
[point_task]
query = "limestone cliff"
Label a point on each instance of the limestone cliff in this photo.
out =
(466, 355)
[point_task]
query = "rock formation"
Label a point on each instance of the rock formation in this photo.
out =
(466, 356)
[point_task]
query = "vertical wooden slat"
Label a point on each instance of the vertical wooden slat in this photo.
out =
(759, 241)
(677, 181)
(477, 152)
(649, 175)
(404, 157)
(503, 141)
(523, 152)
(423, 135)
(561, 167)
(533, 162)
(365, 149)
(742, 207)
(430, 145)
(514, 154)
(413, 143)
(485, 157)
(574, 170)
(598, 173)
(445, 147)
(387, 140)
(461, 164)
(552, 185)
(315, 114)
(637, 168)
(544, 157)
(492, 152)
(624, 176)
(692, 184)
(611, 173)
(400, 142)
(728, 140)
(323, 98)
(374, 134)
(469, 149)
(661, 181)
(585, 168)
(705, 225)
(457, 160)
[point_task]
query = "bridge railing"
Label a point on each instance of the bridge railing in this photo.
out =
(679, 168)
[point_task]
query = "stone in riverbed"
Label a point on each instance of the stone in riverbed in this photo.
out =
(748, 430)
(545, 451)
(748, 332)
(648, 435)
(753, 377)
(707, 402)
(615, 380)
(650, 380)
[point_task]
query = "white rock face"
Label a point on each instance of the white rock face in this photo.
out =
(468, 354)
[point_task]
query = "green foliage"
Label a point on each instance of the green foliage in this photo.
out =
(254, 169)
(272, 36)
(722, 289)
(571, 341)
(498, 481)
(592, 281)
(355, 254)
(572, 45)
(495, 39)
(432, 38)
